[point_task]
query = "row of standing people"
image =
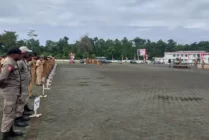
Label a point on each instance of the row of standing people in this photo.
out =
(17, 76)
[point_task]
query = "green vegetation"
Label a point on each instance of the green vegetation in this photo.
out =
(92, 47)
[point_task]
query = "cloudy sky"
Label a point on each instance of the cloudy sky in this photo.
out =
(185, 21)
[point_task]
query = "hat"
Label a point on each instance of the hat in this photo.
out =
(14, 51)
(25, 49)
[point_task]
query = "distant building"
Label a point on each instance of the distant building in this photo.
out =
(186, 56)
(159, 59)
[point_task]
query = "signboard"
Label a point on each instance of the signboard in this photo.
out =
(141, 52)
(36, 103)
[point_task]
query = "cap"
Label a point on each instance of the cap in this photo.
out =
(25, 49)
(14, 51)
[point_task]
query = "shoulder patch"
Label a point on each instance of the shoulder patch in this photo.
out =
(10, 68)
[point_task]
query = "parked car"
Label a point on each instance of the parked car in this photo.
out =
(120, 62)
(82, 61)
(137, 62)
(157, 62)
(104, 60)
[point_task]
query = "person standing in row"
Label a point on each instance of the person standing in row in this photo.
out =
(48, 66)
(39, 71)
(45, 67)
(10, 84)
(25, 81)
(32, 64)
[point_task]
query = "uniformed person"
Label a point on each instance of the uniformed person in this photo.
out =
(27, 110)
(45, 69)
(195, 63)
(50, 64)
(169, 62)
(10, 85)
(203, 64)
(39, 71)
(22, 107)
(32, 64)
(100, 63)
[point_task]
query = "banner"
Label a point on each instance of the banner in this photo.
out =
(141, 52)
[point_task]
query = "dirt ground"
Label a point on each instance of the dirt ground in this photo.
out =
(123, 102)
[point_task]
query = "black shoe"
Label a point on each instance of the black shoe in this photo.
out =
(22, 118)
(15, 133)
(20, 124)
(26, 113)
(27, 109)
(25, 118)
(7, 136)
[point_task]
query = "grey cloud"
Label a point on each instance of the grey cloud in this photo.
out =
(154, 19)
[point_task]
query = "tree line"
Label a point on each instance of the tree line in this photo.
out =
(92, 47)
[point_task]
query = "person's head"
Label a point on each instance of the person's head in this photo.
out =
(15, 53)
(45, 58)
(30, 57)
(41, 57)
(25, 52)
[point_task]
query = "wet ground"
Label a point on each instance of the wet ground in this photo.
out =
(124, 102)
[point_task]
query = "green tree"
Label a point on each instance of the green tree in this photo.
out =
(8, 40)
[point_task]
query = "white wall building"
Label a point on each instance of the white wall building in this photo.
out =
(186, 56)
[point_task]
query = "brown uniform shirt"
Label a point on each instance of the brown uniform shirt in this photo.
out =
(39, 65)
(10, 77)
(32, 65)
(44, 69)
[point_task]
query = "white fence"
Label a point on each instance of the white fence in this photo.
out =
(45, 87)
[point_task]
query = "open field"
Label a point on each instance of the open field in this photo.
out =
(124, 102)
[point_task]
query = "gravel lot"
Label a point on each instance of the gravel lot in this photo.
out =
(124, 102)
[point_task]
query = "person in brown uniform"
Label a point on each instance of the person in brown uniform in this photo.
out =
(203, 64)
(10, 86)
(26, 78)
(50, 64)
(195, 63)
(100, 63)
(53, 62)
(45, 69)
(32, 64)
(39, 71)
